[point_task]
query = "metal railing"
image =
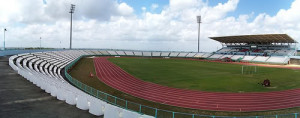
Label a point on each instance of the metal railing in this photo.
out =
(142, 109)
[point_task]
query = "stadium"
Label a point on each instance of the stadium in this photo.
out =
(143, 84)
(138, 59)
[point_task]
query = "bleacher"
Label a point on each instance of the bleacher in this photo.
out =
(276, 59)
(226, 56)
(44, 70)
(215, 56)
(206, 55)
(129, 53)
(248, 58)
(260, 58)
(147, 54)
(155, 54)
(173, 54)
(236, 57)
(199, 55)
(265, 48)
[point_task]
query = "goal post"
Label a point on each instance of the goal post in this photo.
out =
(249, 69)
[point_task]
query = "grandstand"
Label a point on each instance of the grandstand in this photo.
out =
(263, 48)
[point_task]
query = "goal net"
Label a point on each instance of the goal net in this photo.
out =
(249, 69)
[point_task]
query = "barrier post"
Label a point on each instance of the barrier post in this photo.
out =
(115, 100)
(77, 84)
(97, 94)
(155, 112)
(91, 91)
(296, 115)
(173, 114)
(126, 104)
(276, 116)
(140, 108)
(193, 115)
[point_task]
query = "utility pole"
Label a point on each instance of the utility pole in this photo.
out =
(4, 39)
(40, 42)
(71, 12)
(199, 21)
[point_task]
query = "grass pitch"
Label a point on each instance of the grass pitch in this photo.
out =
(208, 76)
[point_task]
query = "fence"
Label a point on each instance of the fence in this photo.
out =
(142, 109)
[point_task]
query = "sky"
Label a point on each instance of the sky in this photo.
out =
(156, 25)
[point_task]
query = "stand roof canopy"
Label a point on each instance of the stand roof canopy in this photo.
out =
(256, 39)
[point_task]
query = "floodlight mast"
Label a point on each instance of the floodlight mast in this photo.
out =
(199, 21)
(4, 39)
(40, 42)
(71, 12)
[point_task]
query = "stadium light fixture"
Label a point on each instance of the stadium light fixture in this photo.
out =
(71, 12)
(4, 38)
(199, 21)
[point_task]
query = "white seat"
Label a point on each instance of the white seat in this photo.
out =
(96, 107)
(147, 54)
(248, 58)
(182, 54)
(112, 52)
(191, 54)
(215, 56)
(165, 54)
(130, 114)
(156, 54)
(82, 102)
(260, 59)
(129, 53)
(120, 52)
(278, 59)
(173, 54)
(112, 111)
(138, 53)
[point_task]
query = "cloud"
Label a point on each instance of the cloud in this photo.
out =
(154, 7)
(125, 10)
(110, 24)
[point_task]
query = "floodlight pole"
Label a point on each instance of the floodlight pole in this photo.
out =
(71, 12)
(199, 21)
(40, 42)
(4, 39)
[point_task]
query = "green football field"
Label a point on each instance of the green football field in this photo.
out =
(208, 76)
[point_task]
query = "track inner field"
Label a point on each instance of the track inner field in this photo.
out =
(117, 78)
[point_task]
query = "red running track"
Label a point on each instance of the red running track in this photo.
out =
(117, 78)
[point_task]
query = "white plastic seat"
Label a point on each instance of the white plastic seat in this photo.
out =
(129, 53)
(82, 102)
(165, 54)
(174, 54)
(182, 54)
(96, 107)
